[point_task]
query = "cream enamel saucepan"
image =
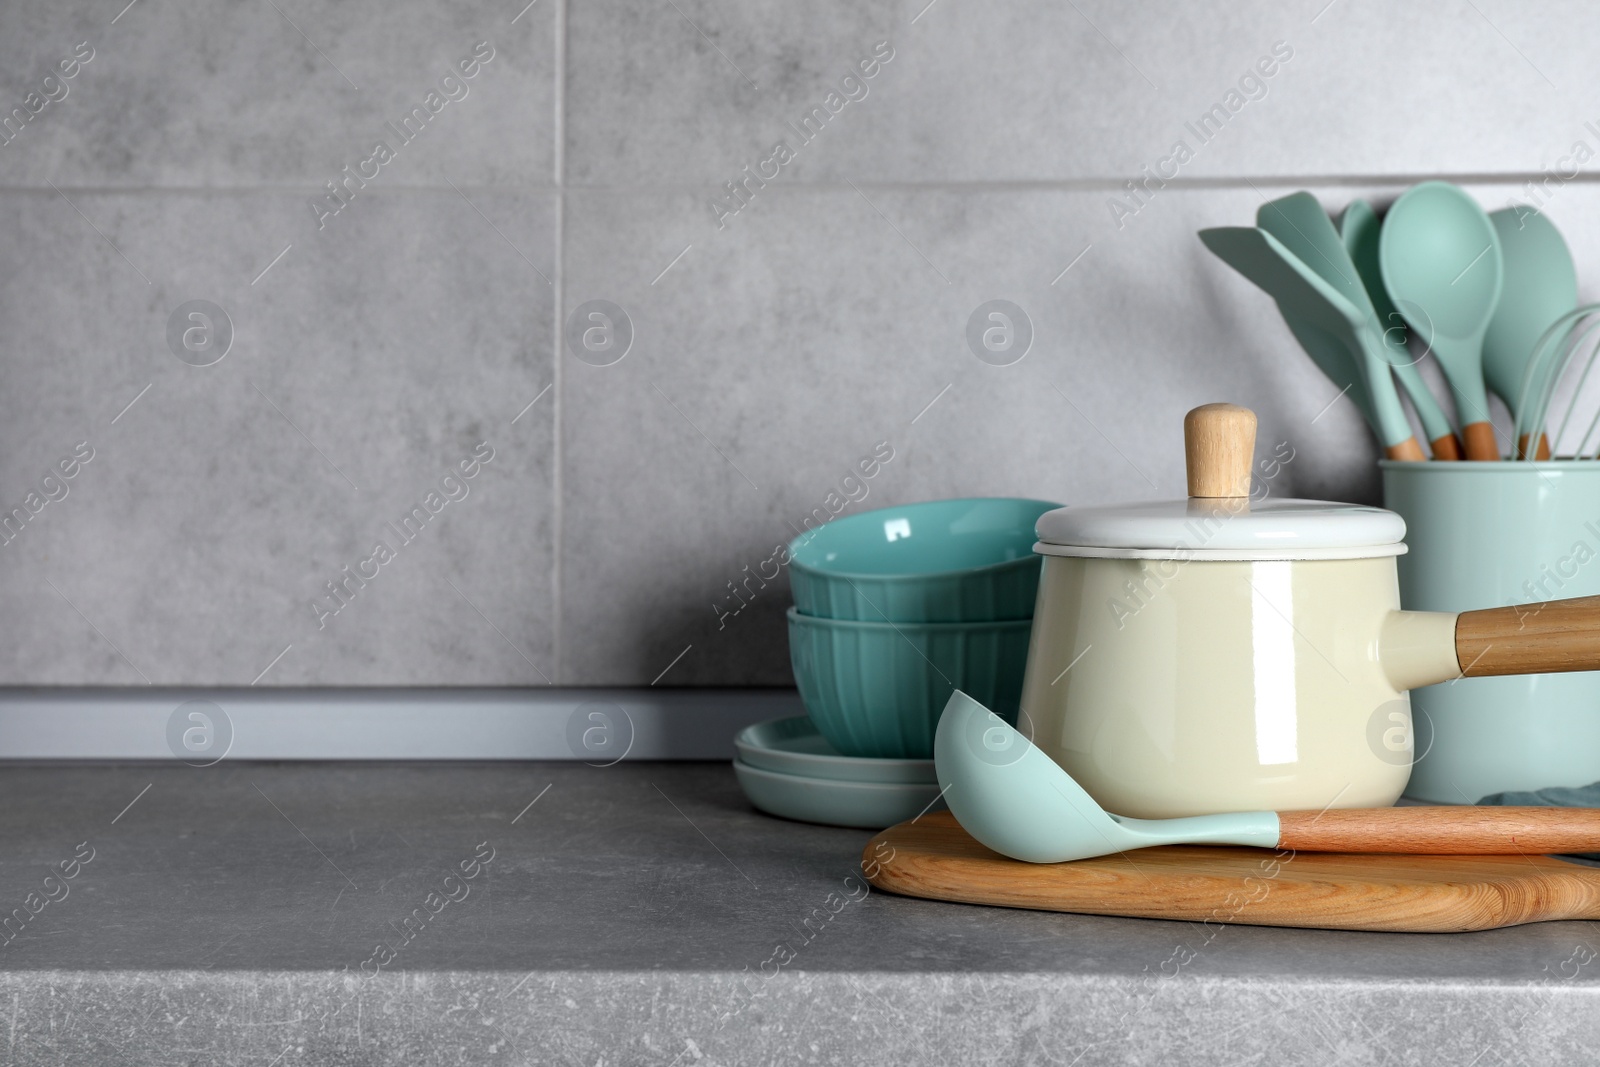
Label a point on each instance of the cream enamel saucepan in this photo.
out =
(1228, 654)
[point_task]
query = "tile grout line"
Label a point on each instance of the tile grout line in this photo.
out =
(560, 95)
(1114, 183)
(290, 189)
(1093, 184)
(557, 453)
(1088, 183)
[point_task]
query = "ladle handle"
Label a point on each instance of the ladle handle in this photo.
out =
(1457, 831)
(1557, 635)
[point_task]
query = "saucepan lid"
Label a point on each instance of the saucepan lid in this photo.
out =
(1220, 520)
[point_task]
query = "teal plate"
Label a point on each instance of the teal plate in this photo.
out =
(863, 805)
(793, 746)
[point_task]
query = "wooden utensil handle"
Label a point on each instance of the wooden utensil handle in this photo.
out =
(1543, 452)
(1407, 450)
(1557, 635)
(1446, 447)
(1464, 831)
(1478, 439)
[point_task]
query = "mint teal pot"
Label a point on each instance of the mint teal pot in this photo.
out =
(877, 689)
(1485, 535)
(966, 560)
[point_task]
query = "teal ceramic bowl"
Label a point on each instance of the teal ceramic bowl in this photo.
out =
(966, 560)
(877, 689)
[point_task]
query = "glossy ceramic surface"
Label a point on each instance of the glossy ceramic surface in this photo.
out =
(877, 689)
(1170, 688)
(1490, 534)
(793, 746)
(967, 560)
(867, 805)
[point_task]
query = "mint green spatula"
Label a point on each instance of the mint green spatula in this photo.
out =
(1301, 226)
(1301, 293)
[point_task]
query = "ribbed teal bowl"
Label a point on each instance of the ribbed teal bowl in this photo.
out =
(967, 560)
(877, 689)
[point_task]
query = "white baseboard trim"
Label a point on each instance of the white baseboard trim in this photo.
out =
(596, 725)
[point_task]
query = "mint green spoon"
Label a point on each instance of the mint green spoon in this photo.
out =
(1302, 294)
(1442, 267)
(1359, 230)
(1541, 285)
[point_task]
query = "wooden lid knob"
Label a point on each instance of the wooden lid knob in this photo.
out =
(1219, 444)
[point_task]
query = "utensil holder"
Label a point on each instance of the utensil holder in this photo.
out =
(1499, 534)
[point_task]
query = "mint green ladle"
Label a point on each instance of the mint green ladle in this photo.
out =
(1442, 267)
(1016, 800)
(1359, 230)
(1013, 798)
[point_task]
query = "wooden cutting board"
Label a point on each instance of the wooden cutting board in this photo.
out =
(933, 857)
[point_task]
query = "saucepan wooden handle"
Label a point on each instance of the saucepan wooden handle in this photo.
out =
(1463, 831)
(1557, 635)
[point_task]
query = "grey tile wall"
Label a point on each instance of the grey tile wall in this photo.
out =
(776, 337)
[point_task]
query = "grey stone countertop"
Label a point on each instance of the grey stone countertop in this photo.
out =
(280, 914)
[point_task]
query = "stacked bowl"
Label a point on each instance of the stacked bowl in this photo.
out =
(894, 610)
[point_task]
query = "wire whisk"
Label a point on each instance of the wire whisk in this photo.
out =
(1561, 391)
